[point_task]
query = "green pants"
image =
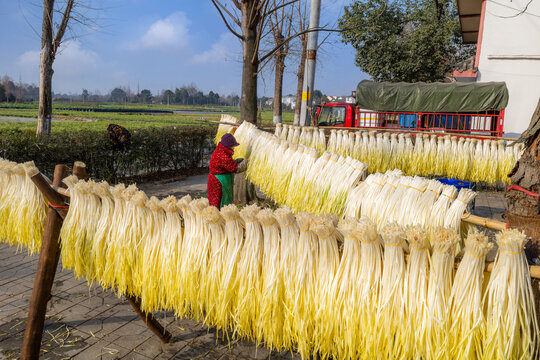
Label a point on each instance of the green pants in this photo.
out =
(227, 188)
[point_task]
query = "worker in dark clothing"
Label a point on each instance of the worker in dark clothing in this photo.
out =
(222, 169)
(119, 136)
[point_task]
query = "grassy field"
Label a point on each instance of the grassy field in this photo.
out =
(66, 118)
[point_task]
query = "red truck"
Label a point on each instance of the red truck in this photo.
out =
(476, 109)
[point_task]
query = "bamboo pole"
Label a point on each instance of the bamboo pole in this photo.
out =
(45, 272)
(485, 222)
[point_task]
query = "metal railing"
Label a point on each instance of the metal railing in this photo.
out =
(462, 123)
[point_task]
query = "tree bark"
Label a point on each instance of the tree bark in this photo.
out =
(250, 60)
(279, 59)
(300, 75)
(523, 209)
(46, 71)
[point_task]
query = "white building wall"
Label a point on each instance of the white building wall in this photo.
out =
(510, 52)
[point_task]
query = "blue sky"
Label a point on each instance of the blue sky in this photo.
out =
(160, 44)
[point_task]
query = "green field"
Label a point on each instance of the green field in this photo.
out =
(65, 118)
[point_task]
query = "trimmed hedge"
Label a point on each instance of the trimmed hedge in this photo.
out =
(151, 150)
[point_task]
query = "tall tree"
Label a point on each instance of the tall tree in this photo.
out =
(404, 40)
(281, 24)
(249, 20)
(50, 43)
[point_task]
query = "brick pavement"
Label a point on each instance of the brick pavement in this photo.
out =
(89, 323)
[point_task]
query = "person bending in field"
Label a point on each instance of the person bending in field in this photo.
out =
(220, 186)
(119, 136)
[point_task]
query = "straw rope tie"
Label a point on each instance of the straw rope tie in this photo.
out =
(394, 245)
(473, 255)
(250, 221)
(512, 252)
(326, 237)
(273, 222)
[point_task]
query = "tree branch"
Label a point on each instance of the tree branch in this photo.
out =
(295, 36)
(279, 7)
(235, 19)
(225, 21)
(62, 27)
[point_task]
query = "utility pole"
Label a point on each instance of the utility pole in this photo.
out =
(309, 76)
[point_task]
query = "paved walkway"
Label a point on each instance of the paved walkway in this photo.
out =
(90, 323)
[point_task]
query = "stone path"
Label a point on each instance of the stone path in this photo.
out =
(90, 323)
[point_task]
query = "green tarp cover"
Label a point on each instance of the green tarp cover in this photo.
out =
(431, 97)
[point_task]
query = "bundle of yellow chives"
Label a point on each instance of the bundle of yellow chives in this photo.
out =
(271, 318)
(249, 276)
(197, 261)
(466, 325)
(288, 258)
(421, 210)
(181, 304)
(79, 228)
(127, 260)
(100, 239)
(512, 329)
(305, 285)
(345, 294)
(392, 300)
(234, 233)
(212, 278)
(452, 219)
(441, 206)
(172, 235)
(22, 206)
(118, 192)
(327, 266)
(417, 289)
(152, 259)
(225, 128)
(68, 233)
(370, 274)
(441, 274)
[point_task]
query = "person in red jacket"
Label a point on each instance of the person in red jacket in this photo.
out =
(222, 169)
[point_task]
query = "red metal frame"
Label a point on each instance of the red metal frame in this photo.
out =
(466, 124)
(459, 123)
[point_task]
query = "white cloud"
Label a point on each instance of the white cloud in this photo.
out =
(221, 50)
(71, 59)
(171, 32)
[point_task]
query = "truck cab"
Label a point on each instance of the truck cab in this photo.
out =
(339, 114)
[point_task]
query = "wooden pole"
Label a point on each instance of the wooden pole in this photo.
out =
(150, 321)
(55, 193)
(79, 170)
(44, 275)
(485, 222)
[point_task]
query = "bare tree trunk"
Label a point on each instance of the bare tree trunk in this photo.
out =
(278, 86)
(248, 103)
(300, 75)
(46, 71)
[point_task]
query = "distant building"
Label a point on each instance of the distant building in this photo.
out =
(348, 99)
(507, 36)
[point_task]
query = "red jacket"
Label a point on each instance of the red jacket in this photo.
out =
(221, 162)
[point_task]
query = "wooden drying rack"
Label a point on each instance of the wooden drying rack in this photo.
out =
(468, 218)
(48, 262)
